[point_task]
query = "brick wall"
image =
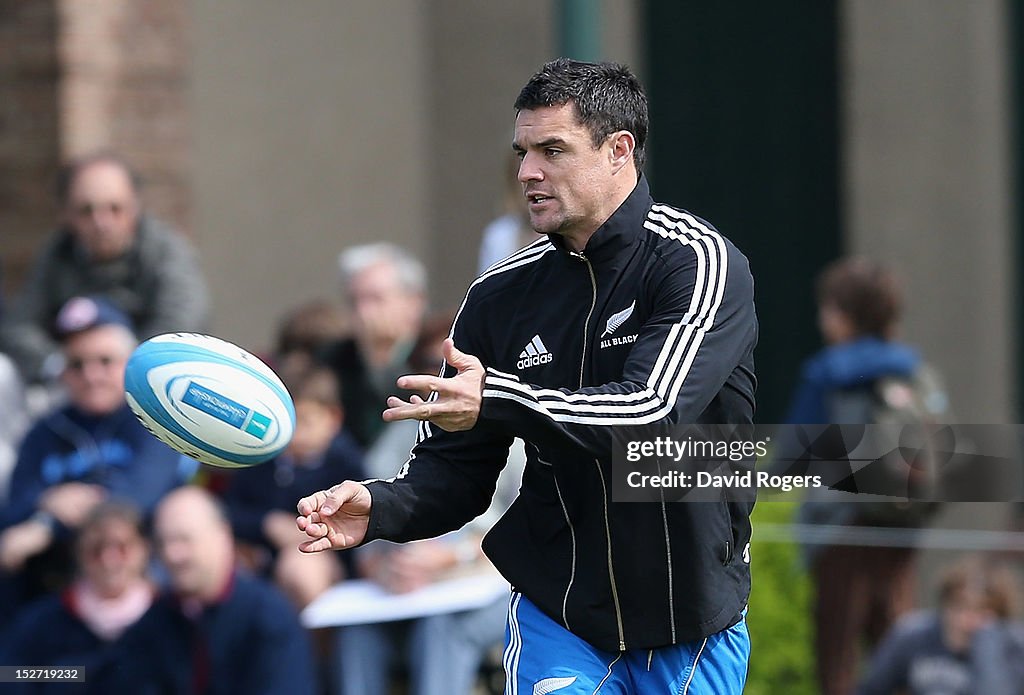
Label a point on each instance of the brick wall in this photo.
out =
(29, 141)
(126, 68)
(85, 75)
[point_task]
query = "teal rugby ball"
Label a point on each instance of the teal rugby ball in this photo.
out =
(209, 399)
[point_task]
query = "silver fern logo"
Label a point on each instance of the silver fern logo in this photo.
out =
(550, 685)
(618, 318)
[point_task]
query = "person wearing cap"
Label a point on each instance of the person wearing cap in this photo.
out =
(105, 245)
(90, 450)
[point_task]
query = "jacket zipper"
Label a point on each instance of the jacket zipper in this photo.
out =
(611, 573)
(593, 303)
(604, 488)
(572, 537)
(668, 555)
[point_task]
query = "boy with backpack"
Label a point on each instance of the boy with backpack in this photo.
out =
(862, 376)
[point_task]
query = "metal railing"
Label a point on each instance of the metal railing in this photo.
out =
(873, 536)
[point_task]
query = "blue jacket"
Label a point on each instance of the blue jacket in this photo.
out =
(114, 451)
(250, 642)
(49, 633)
(846, 365)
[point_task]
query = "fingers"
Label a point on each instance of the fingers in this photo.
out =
(315, 546)
(456, 357)
(351, 495)
(396, 402)
(338, 496)
(307, 505)
(415, 409)
(318, 534)
(324, 502)
(422, 383)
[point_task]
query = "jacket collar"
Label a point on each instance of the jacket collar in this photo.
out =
(620, 230)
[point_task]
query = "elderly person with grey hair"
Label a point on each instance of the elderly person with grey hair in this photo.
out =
(385, 288)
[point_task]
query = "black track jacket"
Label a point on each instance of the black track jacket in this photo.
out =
(653, 323)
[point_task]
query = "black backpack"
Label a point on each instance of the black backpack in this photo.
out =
(899, 488)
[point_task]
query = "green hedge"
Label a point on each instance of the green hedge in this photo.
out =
(779, 618)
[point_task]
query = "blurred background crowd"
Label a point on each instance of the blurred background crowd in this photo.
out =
(320, 184)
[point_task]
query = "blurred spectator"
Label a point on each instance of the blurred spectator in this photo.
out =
(218, 631)
(305, 332)
(511, 231)
(105, 245)
(861, 591)
(79, 626)
(73, 459)
(13, 423)
(392, 446)
(15, 411)
(969, 646)
(440, 653)
(385, 288)
(261, 500)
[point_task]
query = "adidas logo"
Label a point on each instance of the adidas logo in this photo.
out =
(534, 354)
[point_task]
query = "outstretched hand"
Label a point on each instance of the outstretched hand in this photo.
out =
(457, 406)
(336, 518)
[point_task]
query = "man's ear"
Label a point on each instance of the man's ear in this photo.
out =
(622, 144)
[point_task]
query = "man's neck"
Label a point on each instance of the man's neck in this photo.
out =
(577, 240)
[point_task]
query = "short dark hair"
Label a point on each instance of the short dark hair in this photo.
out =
(607, 97)
(864, 291)
(316, 384)
(67, 174)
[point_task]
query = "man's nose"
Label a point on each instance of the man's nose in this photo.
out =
(529, 170)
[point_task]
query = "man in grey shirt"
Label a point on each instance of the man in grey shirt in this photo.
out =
(105, 246)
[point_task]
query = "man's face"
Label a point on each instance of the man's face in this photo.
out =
(195, 548)
(102, 210)
(565, 179)
(112, 556)
(385, 310)
(94, 368)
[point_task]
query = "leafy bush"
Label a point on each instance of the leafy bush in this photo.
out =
(779, 617)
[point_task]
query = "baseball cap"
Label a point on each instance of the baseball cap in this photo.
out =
(83, 313)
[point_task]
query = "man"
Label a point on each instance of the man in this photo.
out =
(385, 288)
(105, 245)
(83, 623)
(91, 449)
(627, 598)
(217, 631)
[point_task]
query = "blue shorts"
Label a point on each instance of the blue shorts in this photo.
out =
(543, 657)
